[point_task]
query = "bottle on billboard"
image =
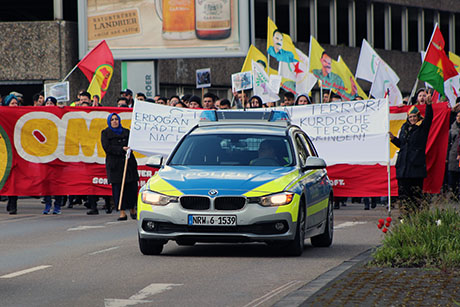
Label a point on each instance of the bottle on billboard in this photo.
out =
(178, 17)
(213, 19)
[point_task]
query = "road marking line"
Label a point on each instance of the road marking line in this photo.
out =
(259, 301)
(139, 297)
(84, 228)
(153, 289)
(348, 224)
(19, 273)
(105, 250)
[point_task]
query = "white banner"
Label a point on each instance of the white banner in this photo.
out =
(344, 132)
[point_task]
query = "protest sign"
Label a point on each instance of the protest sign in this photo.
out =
(241, 81)
(59, 90)
(203, 78)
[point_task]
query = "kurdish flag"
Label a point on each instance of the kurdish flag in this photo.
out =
(97, 66)
(436, 68)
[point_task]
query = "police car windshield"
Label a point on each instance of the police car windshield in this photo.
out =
(236, 150)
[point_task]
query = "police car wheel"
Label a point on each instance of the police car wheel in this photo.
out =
(151, 247)
(325, 239)
(296, 246)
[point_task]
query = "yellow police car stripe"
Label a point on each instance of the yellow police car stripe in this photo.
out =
(301, 178)
(293, 208)
(273, 186)
(317, 207)
(160, 185)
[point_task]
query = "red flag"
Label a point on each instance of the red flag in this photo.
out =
(97, 66)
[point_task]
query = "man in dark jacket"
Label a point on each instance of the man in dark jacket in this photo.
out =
(411, 162)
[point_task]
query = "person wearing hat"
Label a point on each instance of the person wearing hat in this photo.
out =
(128, 94)
(195, 102)
(12, 205)
(411, 162)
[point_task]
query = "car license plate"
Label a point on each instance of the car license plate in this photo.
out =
(212, 220)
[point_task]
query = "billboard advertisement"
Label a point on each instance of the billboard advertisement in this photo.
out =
(156, 29)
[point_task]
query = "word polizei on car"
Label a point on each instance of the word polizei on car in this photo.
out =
(238, 177)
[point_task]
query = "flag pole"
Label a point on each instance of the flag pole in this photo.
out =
(123, 179)
(388, 160)
(75, 67)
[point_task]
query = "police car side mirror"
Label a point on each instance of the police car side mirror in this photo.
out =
(155, 161)
(314, 163)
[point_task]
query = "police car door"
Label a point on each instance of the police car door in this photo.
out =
(313, 182)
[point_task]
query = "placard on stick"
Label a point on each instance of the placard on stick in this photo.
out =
(242, 81)
(203, 78)
(59, 90)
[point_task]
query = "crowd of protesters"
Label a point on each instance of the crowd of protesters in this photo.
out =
(410, 178)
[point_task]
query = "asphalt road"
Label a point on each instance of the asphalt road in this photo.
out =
(78, 260)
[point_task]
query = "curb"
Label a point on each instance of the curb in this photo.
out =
(298, 297)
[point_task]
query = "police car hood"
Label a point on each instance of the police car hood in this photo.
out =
(227, 180)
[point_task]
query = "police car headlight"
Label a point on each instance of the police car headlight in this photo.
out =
(157, 199)
(278, 199)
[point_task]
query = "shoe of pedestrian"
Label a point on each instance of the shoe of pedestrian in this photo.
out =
(373, 206)
(92, 212)
(366, 208)
(124, 218)
(133, 216)
(13, 212)
(87, 205)
(57, 212)
(70, 206)
(108, 211)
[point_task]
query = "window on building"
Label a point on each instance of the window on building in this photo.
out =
(361, 21)
(260, 16)
(282, 16)
(342, 23)
(396, 28)
(444, 27)
(303, 21)
(456, 34)
(323, 22)
(379, 25)
(413, 29)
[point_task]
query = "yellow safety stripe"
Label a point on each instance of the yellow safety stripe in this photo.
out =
(273, 186)
(160, 185)
(317, 207)
(301, 178)
(293, 208)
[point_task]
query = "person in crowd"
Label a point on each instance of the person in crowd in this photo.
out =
(85, 99)
(141, 96)
(12, 205)
(19, 97)
(217, 104)
(270, 104)
(96, 101)
(150, 100)
(420, 97)
(156, 97)
(411, 161)
(122, 102)
(180, 104)
(195, 102)
(255, 102)
(186, 99)
(77, 102)
(173, 100)
(162, 100)
(58, 199)
(453, 169)
(114, 140)
(326, 97)
(225, 104)
(241, 99)
(302, 99)
(335, 98)
(208, 101)
(289, 99)
(128, 94)
(38, 99)
(370, 202)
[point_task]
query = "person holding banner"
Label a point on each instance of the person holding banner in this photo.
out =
(114, 140)
(12, 205)
(411, 163)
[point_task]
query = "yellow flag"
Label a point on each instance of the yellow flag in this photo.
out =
(94, 87)
(257, 56)
(350, 83)
(456, 60)
(332, 74)
(279, 45)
